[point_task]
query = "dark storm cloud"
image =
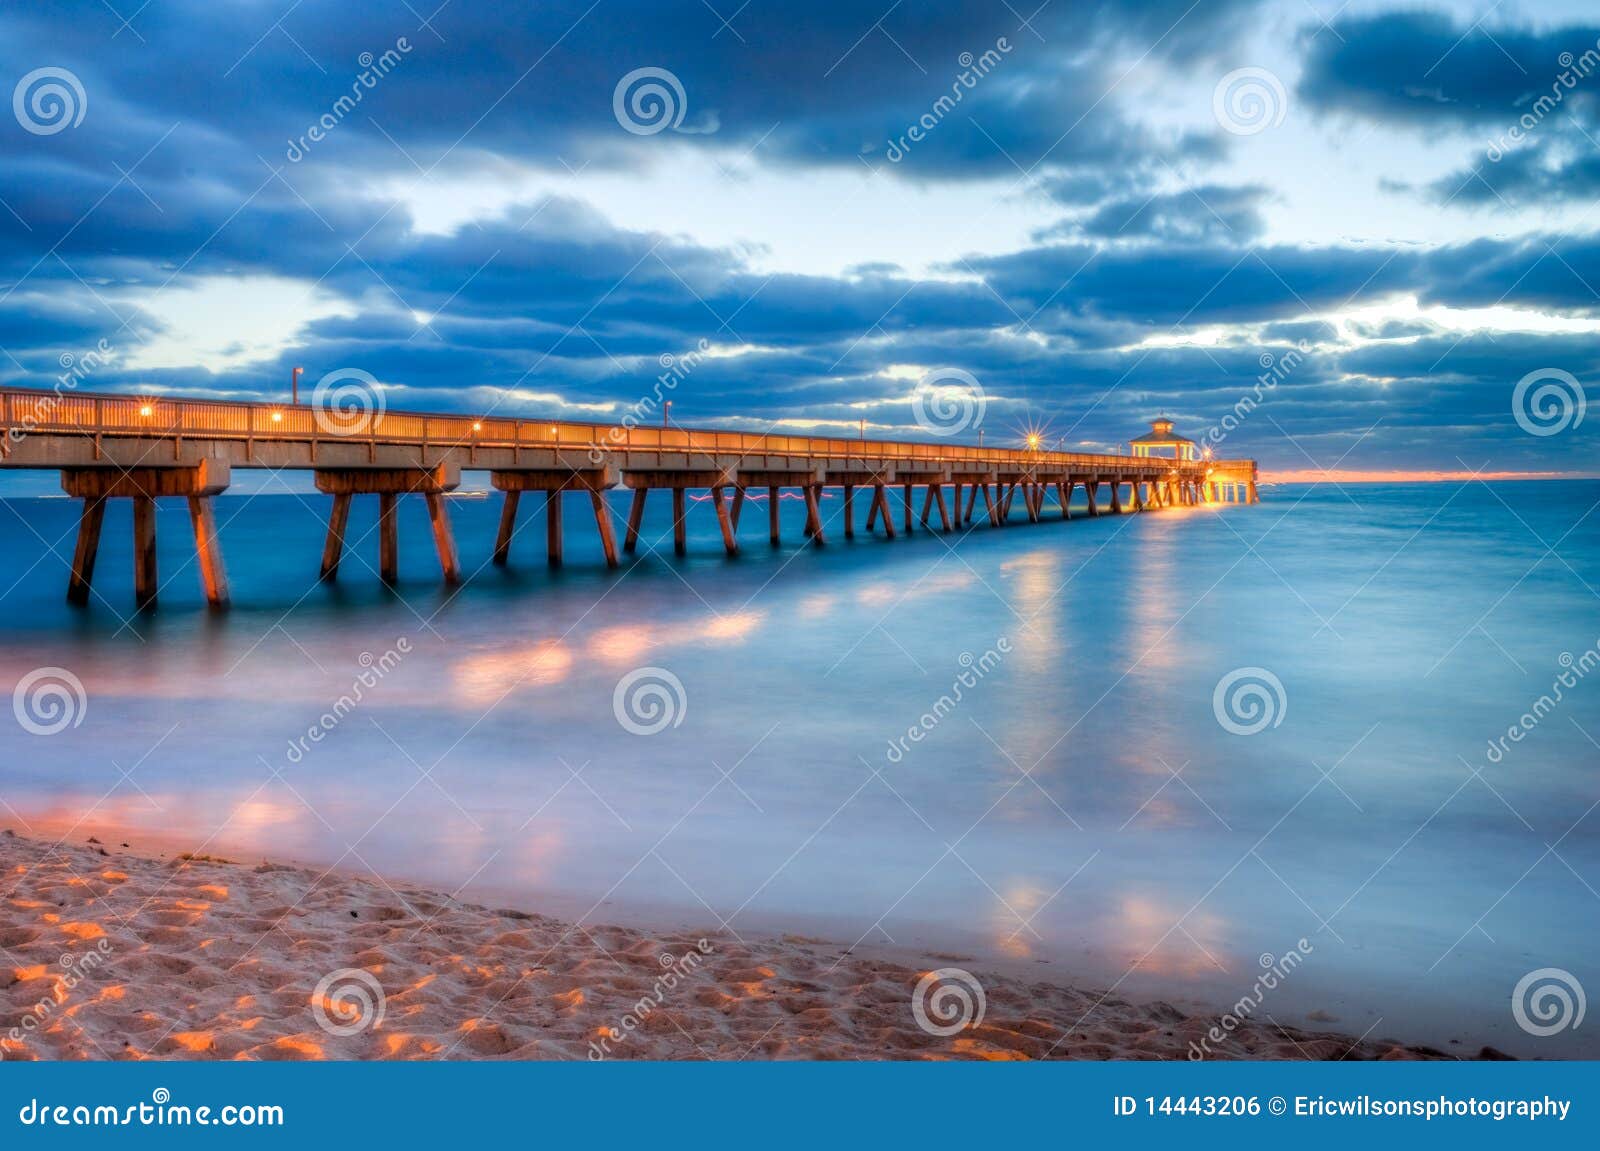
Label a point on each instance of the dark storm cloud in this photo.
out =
(1428, 68)
(181, 170)
(1209, 212)
(1555, 168)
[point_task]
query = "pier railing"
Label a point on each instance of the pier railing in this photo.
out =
(79, 413)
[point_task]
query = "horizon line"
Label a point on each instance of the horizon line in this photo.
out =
(1406, 476)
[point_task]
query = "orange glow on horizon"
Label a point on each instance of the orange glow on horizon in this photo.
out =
(1403, 476)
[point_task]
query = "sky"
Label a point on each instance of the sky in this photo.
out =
(1326, 236)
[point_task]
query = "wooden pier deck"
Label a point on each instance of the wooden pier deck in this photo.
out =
(142, 449)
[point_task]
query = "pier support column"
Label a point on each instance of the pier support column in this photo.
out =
(333, 546)
(729, 542)
(630, 538)
(508, 527)
(388, 539)
(738, 506)
(90, 521)
(849, 511)
(927, 504)
(208, 551)
(444, 540)
(906, 494)
(814, 513)
(972, 499)
(145, 581)
(872, 511)
(553, 528)
(602, 522)
(944, 513)
(1064, 494)
(1255, 497)
(880, 501)
(774, 495)
(680, 527)
(959, 520)
(1116, 497)
(1091, 490)
(991, 505)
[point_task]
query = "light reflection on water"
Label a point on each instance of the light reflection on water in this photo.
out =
(1080, 812)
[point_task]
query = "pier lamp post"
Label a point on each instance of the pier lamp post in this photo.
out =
(294, 385)
(666, 415)
(1033, 441)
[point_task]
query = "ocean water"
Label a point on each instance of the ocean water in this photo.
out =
(729, 742)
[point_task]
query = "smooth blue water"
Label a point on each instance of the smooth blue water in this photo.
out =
(1037, 824)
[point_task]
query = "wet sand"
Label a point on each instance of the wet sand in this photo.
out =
(110, 954)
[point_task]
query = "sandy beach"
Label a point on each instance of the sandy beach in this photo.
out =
(109, 954)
